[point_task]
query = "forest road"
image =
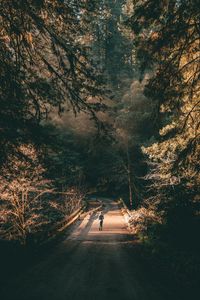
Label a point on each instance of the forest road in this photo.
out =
(89, 265)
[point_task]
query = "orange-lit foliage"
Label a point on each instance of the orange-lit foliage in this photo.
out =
(168, 43)
(22, 186)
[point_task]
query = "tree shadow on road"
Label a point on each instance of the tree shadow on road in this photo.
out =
(88, 226)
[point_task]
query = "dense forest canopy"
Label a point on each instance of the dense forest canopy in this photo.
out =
(44, 64)
(100, 97)
(167, 38)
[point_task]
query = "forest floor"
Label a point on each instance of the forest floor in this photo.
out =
(89, 264)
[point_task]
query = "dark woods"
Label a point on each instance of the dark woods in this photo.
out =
(44, 71)
(102, 97)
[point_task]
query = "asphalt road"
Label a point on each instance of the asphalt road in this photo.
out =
(89, 265)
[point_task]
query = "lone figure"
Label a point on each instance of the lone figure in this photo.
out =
(101, 217)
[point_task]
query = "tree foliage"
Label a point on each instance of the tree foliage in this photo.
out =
(44, 64)
(23, 185)
(167, 41)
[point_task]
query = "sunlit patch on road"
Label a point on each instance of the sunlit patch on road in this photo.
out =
(114, 227)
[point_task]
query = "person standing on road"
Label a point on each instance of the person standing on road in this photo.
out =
(101, 218)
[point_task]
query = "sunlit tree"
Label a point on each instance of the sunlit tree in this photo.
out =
(23, 185)
(167, 40)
